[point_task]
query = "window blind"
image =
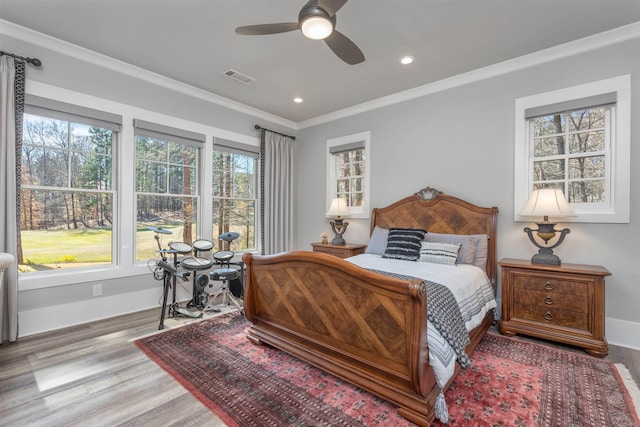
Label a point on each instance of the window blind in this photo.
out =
(571, 105)
(168, 133)
(220, 144)
(346, 147)
(59, 110)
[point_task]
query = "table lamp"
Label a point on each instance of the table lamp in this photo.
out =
(545, 203)
(338, 210)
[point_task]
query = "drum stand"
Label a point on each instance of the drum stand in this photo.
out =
(225, 275)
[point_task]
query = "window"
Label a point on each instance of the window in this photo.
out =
(348, 172)
(67, 186)
(166, 184)
(577, 140)
(234, 194)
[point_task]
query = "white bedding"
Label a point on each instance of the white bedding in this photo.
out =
(470, 287)
(465, 282)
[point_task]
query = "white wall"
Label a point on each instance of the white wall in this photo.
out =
(461, 140)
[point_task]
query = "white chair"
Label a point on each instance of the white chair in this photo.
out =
(5, 261)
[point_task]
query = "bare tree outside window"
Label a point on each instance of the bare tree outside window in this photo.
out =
(570, 153)
(234, 198)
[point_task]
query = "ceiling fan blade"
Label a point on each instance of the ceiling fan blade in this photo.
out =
(346, 50)
(331, 6)
(261, 29)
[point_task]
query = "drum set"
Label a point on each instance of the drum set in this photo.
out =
(191, 261)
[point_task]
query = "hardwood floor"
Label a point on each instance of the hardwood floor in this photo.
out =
(94, 375)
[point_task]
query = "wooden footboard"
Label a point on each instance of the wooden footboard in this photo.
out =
(360, 326)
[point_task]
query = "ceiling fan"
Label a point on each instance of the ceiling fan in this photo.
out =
(317, 21)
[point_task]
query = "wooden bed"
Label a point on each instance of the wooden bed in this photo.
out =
(365, 328)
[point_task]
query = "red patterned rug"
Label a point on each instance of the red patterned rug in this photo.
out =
(511, 383)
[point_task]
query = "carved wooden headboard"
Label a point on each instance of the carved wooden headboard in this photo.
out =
(437, 212)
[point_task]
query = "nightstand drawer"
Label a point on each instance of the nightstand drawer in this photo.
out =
(551, 316)
(574, 302)
(544, 283)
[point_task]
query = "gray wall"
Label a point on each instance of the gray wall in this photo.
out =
(461, 141)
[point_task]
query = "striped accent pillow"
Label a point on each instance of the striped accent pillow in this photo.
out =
(439, 253)
(404, 243)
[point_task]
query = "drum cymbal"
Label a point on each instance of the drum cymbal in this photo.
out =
(229, 236)
(158, 230)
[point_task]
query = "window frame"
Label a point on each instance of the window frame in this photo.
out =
(77, 114)
(169, 135)
(617, 210)
(362, 212)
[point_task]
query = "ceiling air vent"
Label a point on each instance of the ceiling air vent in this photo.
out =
(242, 78)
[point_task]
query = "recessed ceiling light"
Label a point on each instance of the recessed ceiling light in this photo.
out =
(297, 100)
(406, 60)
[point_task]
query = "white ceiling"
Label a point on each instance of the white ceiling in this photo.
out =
(193, 41)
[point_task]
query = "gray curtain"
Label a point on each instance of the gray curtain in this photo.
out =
(276, 157)
(11, 114)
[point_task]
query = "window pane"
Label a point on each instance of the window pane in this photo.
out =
(587, 192)
(234, 198)
(591, 118)
(549, 125)
(151, 177)
(350, 176)
(182, 154)
(586, 167)
(586, 142)
(548, 170)
(61, 229)
(548, 146)
(176, 213)
(151, 149)
(238, 216)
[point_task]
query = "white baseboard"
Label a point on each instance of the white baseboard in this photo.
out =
(622, 333)
(62, 316)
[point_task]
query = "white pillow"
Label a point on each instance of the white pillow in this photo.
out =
(440, 253)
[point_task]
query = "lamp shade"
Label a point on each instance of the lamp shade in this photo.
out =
(338, 208)
(547, 202)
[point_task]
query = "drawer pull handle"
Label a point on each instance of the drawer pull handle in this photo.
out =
(548, 286)
(548, 300)
(548, 315)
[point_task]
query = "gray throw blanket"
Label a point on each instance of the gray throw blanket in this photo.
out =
(444, 314)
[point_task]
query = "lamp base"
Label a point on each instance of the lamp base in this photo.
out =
(338, 240)
(547, 258)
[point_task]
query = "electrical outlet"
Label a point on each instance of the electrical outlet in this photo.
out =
(97, 290)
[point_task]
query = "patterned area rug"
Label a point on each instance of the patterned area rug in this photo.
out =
(511, 383)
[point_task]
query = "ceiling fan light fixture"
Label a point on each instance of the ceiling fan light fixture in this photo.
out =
(316, 27)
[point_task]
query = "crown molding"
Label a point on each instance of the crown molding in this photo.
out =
(596, 41)
(27, 35)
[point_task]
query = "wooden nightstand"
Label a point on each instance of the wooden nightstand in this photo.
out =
(559, 303)
(341, 251)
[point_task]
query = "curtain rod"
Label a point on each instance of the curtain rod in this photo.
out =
(33, 61)
(258, 127)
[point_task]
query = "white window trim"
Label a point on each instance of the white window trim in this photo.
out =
(620, 151)
(355, 211)
(125, 172)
